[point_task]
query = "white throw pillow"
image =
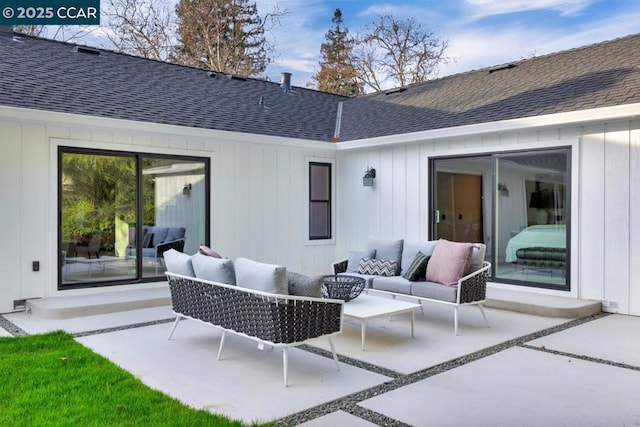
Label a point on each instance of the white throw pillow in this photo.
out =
(178, 263)
(214, 269)
(261, 277)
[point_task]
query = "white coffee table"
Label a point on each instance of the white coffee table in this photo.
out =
(367, 307)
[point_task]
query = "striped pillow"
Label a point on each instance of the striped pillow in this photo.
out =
(418, 268)
(378, 267)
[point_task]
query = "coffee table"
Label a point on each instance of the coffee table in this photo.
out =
(367, 307)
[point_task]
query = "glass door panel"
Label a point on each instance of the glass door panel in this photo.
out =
(98, 204)
(531, 208)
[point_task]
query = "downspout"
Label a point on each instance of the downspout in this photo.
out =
(336, 133)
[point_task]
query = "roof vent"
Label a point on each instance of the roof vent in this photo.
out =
(87, 50)
(237, 77)
(285, 82)
(212, 74)
(396, 90)
(503, 67)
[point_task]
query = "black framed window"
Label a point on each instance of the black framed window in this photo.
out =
(120, 211)
(319, 201)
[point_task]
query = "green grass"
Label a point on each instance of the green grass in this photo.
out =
(52, 380)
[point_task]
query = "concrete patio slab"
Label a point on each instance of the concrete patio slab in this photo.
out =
(338, 418)
(4, 333)
(613, 338)
(519, 387)
(247, 384)
(434, 341)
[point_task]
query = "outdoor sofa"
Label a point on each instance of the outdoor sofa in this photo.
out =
(439, 271)
(253, 300)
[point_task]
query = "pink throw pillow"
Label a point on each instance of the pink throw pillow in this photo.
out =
(449, 262)
(205, 250)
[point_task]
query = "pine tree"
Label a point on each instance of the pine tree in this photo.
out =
(222, 35)
(337, 74)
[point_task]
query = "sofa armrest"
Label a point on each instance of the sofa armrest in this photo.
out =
(473, 287)
(177, 244)
(340, 266)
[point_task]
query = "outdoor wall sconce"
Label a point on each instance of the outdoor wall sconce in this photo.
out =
(369, 177)
(504, 191)
(186, 190)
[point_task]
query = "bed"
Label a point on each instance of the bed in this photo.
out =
(539, 245)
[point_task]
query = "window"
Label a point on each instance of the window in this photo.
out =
(319, 201)
(120, 211)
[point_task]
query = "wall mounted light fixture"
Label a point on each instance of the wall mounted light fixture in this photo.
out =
(369, 177)
(504, 191)
(186, 190)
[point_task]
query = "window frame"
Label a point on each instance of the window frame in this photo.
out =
(330, 238)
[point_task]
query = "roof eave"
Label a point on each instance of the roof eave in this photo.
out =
(627, 111)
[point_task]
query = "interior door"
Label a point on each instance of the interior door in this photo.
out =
(459, 207)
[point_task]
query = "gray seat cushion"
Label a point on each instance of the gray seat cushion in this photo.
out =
(434, 291)
(214, 269)
(392, 284)
(367, 278)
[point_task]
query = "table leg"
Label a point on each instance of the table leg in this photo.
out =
(362, 332)
(413, 316)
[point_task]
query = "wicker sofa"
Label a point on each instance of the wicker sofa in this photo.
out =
(274, 319)
(468, 288)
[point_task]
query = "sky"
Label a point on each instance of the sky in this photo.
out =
(480, 33)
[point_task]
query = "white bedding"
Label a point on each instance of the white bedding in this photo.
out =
(548, 236)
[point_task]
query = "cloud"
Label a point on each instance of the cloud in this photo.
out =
(484, 8)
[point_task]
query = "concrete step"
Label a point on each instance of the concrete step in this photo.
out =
(116, 301)
(100, 303)
(541, 305)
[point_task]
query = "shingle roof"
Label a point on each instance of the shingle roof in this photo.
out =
(48, 75)
(599, 75)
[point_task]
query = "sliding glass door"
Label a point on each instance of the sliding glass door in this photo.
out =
(119, 212)
(515, 203)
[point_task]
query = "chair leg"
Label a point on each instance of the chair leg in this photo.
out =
(224, 334)
(483, 314)
(455, 321)
(333, 351)
(175, 324)
(285, 364)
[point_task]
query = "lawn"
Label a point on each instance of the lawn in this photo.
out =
(51, 379)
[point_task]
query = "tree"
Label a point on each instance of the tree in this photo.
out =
(141, 27)
(223, 35)
(337, 74)
(399, 51)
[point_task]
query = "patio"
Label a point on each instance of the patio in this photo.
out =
(524, 370)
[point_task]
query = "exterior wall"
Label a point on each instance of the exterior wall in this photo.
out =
(258, 198)
(605, 205)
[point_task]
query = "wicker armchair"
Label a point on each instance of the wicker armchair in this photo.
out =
(277, 320)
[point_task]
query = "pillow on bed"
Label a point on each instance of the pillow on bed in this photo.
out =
(449, 262)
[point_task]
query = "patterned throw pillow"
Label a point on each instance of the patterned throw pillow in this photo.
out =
(418, 268)
(378, 267)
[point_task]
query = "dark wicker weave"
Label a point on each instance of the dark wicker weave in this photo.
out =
(340, 266)
(474, 288)
(279, 320)
(342, 287)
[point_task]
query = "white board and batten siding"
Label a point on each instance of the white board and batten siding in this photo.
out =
(258, 193)
(605, 199)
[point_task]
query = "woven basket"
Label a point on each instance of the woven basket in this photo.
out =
(342, 287)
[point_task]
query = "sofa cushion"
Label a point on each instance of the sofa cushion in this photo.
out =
(174, 233)
(367, 277)
(387, 249)
(435, 291)
(449, 262)
(418, 268)
(304, 286)
(261, 277)
(410, 249)
(477, 257)
(213, 269)
(159, 234)
(355, 257)
(147, 240)
(378, 267)
(205, 250)
(178, 263)
(392, 284)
